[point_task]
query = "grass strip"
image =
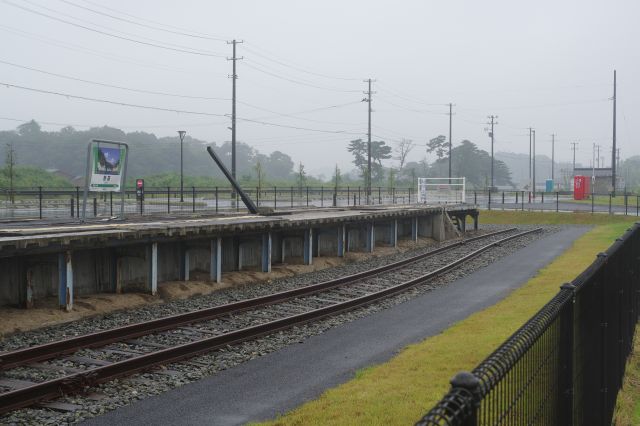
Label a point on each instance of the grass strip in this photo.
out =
(628, 405)
(402, 389)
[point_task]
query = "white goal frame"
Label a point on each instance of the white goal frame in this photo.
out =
(441, 190)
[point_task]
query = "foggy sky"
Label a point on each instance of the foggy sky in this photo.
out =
(544, 64)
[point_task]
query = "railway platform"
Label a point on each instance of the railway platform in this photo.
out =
(43, 259)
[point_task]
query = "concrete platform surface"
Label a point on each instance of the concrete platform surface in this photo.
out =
(278, 382)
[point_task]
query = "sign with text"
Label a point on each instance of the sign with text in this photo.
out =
(106, 167)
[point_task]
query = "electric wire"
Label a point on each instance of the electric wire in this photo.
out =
(130, 21)
(97, 83)
(106, 33)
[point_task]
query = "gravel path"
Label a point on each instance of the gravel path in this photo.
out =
(118, 393)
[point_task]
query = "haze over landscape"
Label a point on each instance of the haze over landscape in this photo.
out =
(301, 76)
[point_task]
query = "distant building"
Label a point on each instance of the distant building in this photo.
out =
(600, 179)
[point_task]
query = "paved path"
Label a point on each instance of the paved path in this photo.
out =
(262, 388)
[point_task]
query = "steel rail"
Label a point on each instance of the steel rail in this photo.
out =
(50, 389)
(50, 350)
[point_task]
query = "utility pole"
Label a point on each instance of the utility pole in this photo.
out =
(234, 77)
(534, 163)
(553, 157)
(574, 146)
(368, 101)
(493, 122)
(530, 145)
(181, 133)
(598, 155)
(613, 150)
(450, 140)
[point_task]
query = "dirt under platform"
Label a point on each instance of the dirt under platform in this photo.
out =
(46, 311)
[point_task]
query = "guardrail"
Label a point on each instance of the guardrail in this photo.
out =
(565, 366)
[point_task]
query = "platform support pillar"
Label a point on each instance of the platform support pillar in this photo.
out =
(65, 281)
(29, 299)
(215, 266)
(152, 262)
(393, 233)
(475, 222)
(414, 228)
(371, 237)
(187, 264)
(341, 240)
(266, 252)
(307, 246)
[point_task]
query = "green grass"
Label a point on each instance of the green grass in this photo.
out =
(628, 405)
(604, 200)
(551, 218)
(401, 390)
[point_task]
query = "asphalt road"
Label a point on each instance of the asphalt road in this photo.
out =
(262, 388)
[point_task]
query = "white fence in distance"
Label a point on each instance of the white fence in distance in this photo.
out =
(441, 190)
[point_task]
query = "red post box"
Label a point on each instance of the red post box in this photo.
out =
(581, 187)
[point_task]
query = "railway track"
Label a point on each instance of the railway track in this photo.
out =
(75, 364)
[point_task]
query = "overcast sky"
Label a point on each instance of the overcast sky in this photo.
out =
(544, 64)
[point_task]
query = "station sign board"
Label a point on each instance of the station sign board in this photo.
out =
(107, 167)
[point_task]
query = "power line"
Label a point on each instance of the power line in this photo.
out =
(82, 49)
(107, 101)
(419, 111)
(97, 83)
(297, 127)
(284, 64)
(291, 80)
(141, 24)
(152, 44)
(293, 115)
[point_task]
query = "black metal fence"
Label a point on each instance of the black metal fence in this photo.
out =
(565, 366)
(621, 203)
(67, 203)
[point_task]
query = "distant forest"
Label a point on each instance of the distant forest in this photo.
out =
(65, 151)
(63, 154)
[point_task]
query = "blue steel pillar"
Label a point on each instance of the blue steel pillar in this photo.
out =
(393, 233)
(414, 228)
(65, 281)
(215, 271)
(307, 246)
(371, 237)
(266, 252)
(341, 240)
(152, 262)
(186, 265)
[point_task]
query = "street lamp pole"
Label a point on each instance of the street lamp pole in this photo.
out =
(181, 133)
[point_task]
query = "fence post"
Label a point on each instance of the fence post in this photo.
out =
(95, 207)
(542, 198)
(516, 197)
(307, 196)
(40, 200)
(168, 199)
(637, 204)
(475, 197)
(358, 196)
(322, 196)
(193, 199)
(625, 204)
(216, 200)
(609, 203)
(111, 204)
(72, 206)
(379, 196)
(78, 201)
(592, 200)
(141, 205)
(409, 195)
(348, 196)
(275, 197)
(522, 200)
(470, 383)
(565, 404)
(557, 201)
(292, 197)
(489, 199)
